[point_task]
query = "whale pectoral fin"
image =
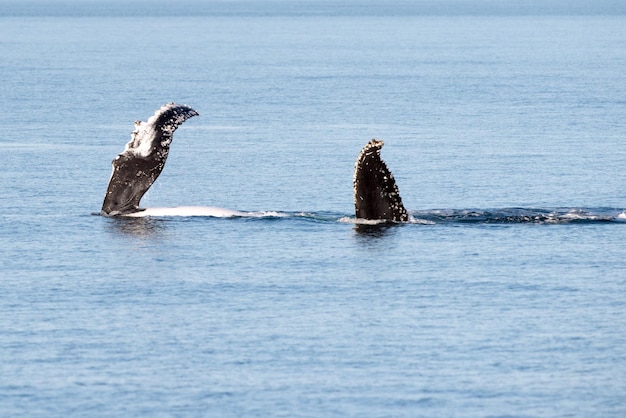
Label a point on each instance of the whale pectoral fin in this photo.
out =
(143, 159)
(376, 194)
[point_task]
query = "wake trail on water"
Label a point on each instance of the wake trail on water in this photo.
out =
(521, 216)
(419, 217)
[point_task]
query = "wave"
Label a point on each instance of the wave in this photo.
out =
(419, 217)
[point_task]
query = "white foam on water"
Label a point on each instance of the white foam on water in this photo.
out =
(360, 221)
(189, 211)
(208, 211)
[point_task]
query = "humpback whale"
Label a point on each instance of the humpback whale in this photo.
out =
(376, 195)
(143, 159)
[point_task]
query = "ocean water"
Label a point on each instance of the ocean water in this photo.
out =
(504, 126)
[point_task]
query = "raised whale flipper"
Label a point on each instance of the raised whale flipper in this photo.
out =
(376, 194)
(141, 162)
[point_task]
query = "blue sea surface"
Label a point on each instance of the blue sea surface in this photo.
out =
(504, 126)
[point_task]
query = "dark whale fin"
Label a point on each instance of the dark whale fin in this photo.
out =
(376, 194)
(143, 159)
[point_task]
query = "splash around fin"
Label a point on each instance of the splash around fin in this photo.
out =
(137, 167)
(376, 195)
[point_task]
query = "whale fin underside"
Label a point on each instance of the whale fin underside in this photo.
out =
(143, 159)
(376, 194)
